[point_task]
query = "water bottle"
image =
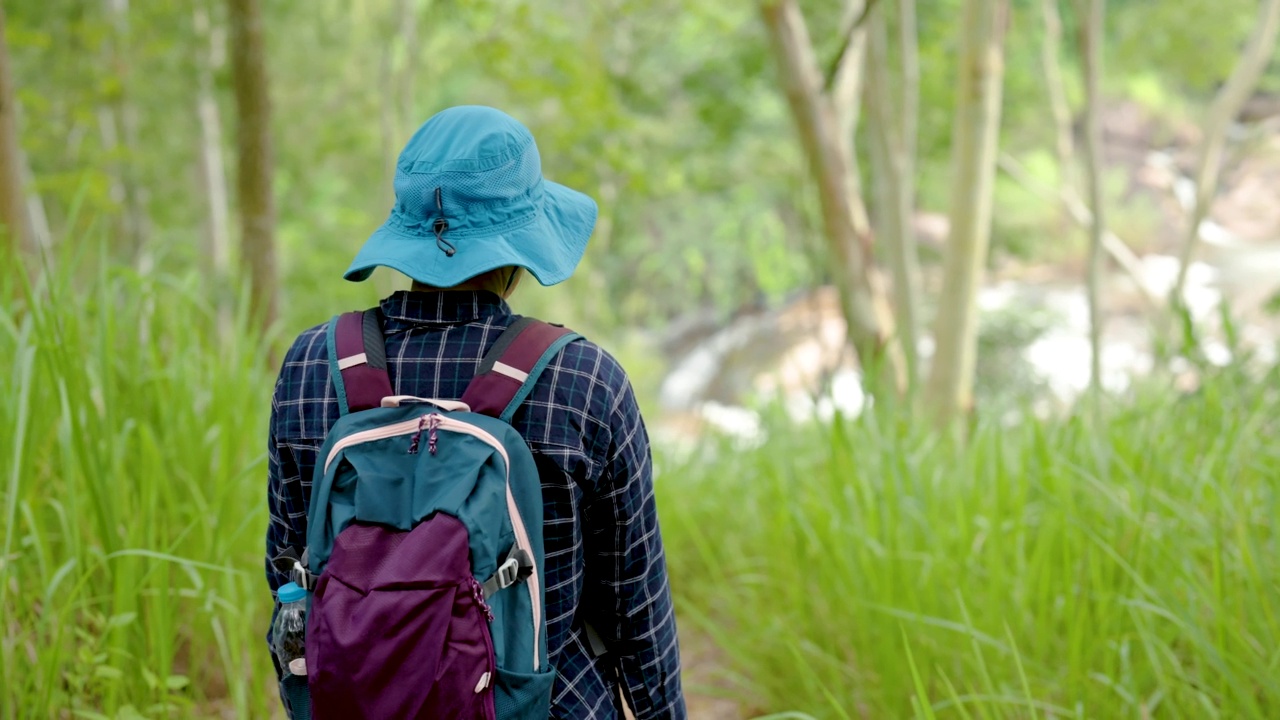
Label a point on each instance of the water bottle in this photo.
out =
(290, 630)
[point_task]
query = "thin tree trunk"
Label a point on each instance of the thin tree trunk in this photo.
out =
(387, 125)
(976, 134)
(1091, 38)
(1050, 61)
(1119, 252)
(844, 93)
(131, 194)
(844, 90)
(256, 156)
(829, 154)
(13, 202)
(397, 114)
(1226, 106)
(210, 58)
(892, 158)
(408, 74)
(908, 47)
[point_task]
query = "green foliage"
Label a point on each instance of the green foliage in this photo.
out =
(1089, 568)
(668, 113)
(1060, 569)
(866, 568)
(1191, 44)
(132, 511)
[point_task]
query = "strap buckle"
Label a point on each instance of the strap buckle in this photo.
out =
(287, 561)
(516, 568)
(508, 573)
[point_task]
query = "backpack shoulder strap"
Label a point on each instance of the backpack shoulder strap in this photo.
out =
(512, 366)
(358, 360)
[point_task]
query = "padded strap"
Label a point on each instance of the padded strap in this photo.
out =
(358, 360)
(512, 366)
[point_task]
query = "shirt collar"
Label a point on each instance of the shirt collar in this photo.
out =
(445, 307)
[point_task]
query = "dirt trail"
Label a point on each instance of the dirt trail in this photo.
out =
(699, 660)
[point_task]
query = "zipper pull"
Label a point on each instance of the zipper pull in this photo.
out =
(477, 592)
(413, 444)
(433, 422)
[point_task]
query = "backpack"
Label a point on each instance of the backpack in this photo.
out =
(424, 549)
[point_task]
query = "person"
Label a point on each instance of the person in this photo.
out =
(472, 216)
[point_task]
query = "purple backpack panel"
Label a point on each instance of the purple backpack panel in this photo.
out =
(399, 627)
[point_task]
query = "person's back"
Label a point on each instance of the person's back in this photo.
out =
(604, 567)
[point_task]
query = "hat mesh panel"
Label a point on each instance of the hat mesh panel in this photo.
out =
(504, 194)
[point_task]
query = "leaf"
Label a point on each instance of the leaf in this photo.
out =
(177, 682)
(121, 620)
(108, 672)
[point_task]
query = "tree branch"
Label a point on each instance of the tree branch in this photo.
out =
(837, 63)
(1240, 84)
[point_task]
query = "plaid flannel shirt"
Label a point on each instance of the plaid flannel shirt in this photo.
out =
(604, 558)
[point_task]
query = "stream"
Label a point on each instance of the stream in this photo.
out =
(1034, 340)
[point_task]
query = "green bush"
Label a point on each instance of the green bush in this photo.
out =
(132, 463)
(1058, 569)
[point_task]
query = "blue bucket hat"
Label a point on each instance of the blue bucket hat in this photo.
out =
(470, 197)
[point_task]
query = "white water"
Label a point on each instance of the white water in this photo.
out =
(1059, 358)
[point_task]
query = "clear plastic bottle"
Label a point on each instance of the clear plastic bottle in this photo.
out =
(288, 635)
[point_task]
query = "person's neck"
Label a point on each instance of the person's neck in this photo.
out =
(464, 287)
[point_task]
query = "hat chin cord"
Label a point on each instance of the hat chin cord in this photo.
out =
(441, 225)
(511, 281)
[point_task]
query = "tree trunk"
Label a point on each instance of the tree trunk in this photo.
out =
(400, 75)
(388, 127)
(407, 76)
(1050, 61)
(909, 47)
(976, 134)
(256, 158)
(1091, 38)
(13, 202)
(123, 132)
(830, 159)
(1226, 106)
(213, 174)
(893, 163)
(844, 92)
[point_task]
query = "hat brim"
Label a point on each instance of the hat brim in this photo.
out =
(549, 247)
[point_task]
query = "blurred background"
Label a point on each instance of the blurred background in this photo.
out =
(955, 325)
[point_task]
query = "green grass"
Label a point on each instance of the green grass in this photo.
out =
(1049, 570)
(132, 464)
(862, 570)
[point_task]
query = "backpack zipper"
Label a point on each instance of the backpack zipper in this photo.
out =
(517, 523)
(409, 427)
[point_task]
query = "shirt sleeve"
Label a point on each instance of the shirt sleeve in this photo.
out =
(627, 570)
(284, 480)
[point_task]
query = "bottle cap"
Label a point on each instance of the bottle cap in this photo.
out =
(291, 592)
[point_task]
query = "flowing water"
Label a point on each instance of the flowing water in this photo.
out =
(1035, 336)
